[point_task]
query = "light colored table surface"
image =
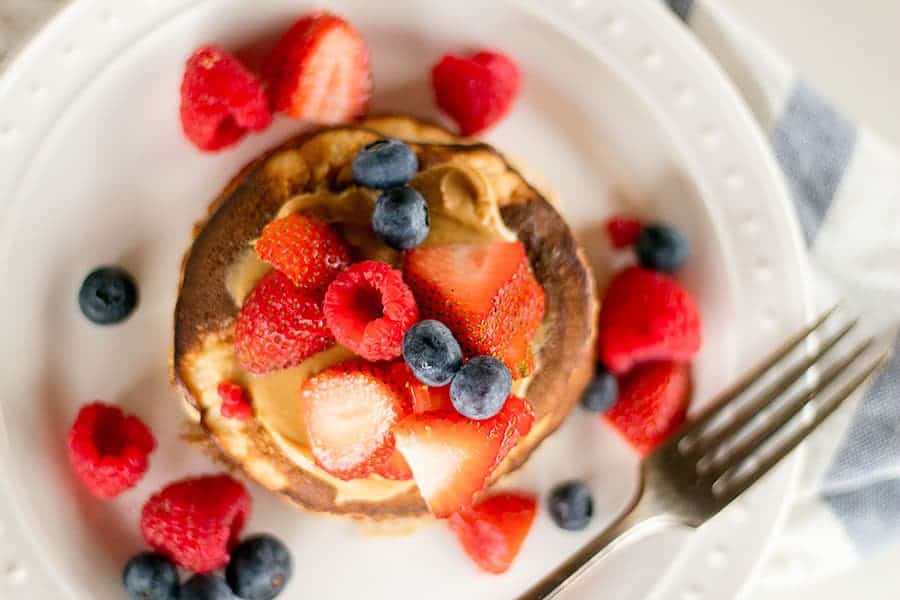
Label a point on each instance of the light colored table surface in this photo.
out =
(849, 50)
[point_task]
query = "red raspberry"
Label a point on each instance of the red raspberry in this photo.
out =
(623, 231)
(279, 326)
(369, 308)
(305, 249)
(109, 450)
(235, 402)
(195, 522)
(476, 91)
(220, 100)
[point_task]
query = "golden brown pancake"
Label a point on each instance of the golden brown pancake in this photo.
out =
(269, 448)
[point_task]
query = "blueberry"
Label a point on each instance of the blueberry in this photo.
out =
(400, 219)
(480, 388)
(571, 505)
(385, 164)
(662, 248)
(107, 295)
(432, 352)
(602, 392)
(150, 576)
(208, 586)
(260, 567)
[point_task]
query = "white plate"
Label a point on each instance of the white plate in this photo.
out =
(620, 110)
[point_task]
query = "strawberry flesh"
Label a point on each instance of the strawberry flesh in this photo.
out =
(492, 531)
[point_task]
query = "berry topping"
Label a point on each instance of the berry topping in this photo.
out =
(279, 326)
(480, 388)
(623, 231)
(395, 468)
(646, 315)
(452, 457)
(662, 248)
(220, 100)
(432, 352)
(348, 411)
(602, 392)
(319, 71)
(260, 567)
(107, 296)
(485, 293)
(653, 401)
(422, 398)
(109, 450)
(385, 164)
(492, 531)
(400, 218)
(571, 505)
(476, 91)
(150, 576)
(195, 522)
(307, 250)
(208, 586)
(235, 401)
(369, 308)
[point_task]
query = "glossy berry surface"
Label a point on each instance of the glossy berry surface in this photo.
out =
(385, 164)
(260, 567)
(150, 576)
(571, 505)
(432, 353)
(208, 586)
(602, 392)
(480, 388)
(400, 218)
(662, 248)
(108, 295)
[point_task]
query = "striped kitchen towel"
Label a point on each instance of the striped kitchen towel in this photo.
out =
(845, 183)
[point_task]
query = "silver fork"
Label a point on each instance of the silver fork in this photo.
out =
(717, 456)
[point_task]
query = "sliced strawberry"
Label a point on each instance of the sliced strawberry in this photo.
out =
(623, 231)
(395, 468)
(652, 403)
(518, 355)
(452, 457)
(423, 398)
(646, 315)
(492, 531)
(307, 250)
(348, 410)
(485, 293)
(319, 71)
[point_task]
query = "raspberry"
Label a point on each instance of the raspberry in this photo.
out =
(369, 308)
(279, 326)
(109, 450)
(623, 231)
(220, 100)
(235, 402)
(305, 249)
(195, 522)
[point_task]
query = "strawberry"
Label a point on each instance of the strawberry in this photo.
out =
(485, 293)
(319, 71)
(395, 468)
(492, 531)
(279, 326)
(452, 457)
(652, 403)
(476, 91)
(307, 250)
(348, 410)
(646, 315)
(423, 398)
(623, 231)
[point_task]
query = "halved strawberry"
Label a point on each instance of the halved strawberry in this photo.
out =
(348, 410)
(492, 531)
(518, 354)
(451, 457)
(646, 315)
(652, 403)
(485, 293)
(395, 468)
(319, 71)
(423, 398)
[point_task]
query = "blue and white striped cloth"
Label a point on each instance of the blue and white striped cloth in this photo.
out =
(845, 183)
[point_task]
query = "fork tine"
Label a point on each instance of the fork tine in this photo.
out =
(803, 431)
(782, 415)
(749, 409)
(745, 382)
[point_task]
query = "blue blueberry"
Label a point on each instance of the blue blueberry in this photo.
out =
(107, 295)
(432, 352)
(571, 505)
(150, 576)
(602, 392)
(480, 388)
(400, 219)
(208, 586)
(385, 164)
(662, 248)
(260, 567)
